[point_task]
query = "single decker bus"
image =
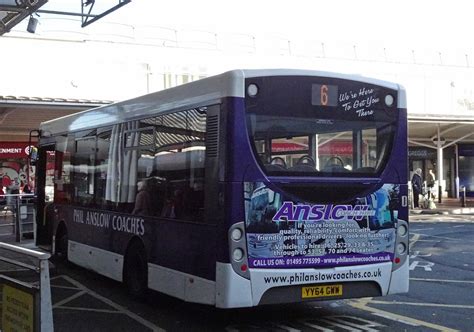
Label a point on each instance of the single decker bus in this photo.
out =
(247, 188)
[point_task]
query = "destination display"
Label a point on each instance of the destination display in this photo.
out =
(361, 101)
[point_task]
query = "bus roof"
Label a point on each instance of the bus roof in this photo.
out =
(194, 94)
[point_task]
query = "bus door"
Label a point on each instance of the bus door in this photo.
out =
(44, 194)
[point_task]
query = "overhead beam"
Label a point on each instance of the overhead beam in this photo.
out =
(447, 130)
(16, 14)
(55, 12)
(88, 18)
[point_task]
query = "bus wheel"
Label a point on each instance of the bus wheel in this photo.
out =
(136, 271)
(61, 245)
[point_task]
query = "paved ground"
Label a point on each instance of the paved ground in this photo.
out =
(440, 298)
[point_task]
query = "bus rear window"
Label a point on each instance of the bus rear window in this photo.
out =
(296, 131)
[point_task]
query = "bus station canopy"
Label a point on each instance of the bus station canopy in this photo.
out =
(19, 115)
(425, 129)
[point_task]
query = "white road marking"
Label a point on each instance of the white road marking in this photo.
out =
(69, 299)
(451, 221)
(315, 326)
(286, 328)
(362, 304)
(112, 304)
(65, 287)
(414, 238)
(439, 237)
(443, 280)
(424, 304)
(427, 266)
(366, 325)
(436, 241)
(417, 253)
(342, 326)
(90, 309)
(400, 320)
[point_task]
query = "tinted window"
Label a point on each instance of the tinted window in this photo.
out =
(165, 156)
(321, 126)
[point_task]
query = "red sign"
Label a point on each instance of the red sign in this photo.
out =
(14, 150)
(336, 148)
(288, 146)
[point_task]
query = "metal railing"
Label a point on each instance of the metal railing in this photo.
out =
(17, 215)
(14, 291)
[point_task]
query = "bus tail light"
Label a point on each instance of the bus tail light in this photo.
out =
(236, 234)
(401, 245)
(401, 248)
(402, 230)
(238, 254)
(238, 250)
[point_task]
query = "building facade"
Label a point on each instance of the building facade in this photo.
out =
(439, 83)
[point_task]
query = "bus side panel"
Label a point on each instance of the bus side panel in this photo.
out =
(238, 160)
(183, 246)
(186, 247)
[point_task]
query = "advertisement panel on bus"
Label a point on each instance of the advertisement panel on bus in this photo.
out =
(285, 233)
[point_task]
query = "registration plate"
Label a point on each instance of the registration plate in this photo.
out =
(308, 292)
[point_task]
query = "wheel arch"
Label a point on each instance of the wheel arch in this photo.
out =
(135, 243)
(60, 230)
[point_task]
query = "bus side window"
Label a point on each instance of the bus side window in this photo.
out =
(180, 159)
(102, 161)
(63, 185)
(171, 154)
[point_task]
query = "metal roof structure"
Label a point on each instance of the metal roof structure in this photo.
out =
(20, 115)
(424, 129)
(6, 101)
(13, 12)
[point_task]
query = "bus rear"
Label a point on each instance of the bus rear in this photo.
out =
(316, 190)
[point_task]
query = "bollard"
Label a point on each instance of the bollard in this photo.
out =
(440, 193)
(463, 196)
(18, 230)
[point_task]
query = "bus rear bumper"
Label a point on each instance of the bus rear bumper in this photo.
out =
(271, 286)
(232, 290)
(400, 279)
(278, 286)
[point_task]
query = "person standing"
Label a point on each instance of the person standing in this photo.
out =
(142, 200)
(430, 183)
(416, 184)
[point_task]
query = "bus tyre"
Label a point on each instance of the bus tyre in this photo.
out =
(136, 271)
(61, 246)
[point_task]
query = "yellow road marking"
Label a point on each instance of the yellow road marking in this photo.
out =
(363, 305)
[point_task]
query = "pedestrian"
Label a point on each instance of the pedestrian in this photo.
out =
(430, 183)
(142, 200)
(416, 184)
(26, 189)
(3, 199)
